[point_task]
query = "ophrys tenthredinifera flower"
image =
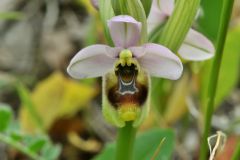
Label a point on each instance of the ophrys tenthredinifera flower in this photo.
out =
(125, 69)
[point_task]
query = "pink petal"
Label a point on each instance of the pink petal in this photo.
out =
(159, 61)
(156, 16)
(125, 31)
(196, 47)
(160, 11)
(167, 6)
(92, 61)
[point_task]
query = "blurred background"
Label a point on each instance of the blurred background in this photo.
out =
(37, 40)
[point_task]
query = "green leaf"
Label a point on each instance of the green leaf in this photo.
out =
(146, 145)
(106, 12)
(34, 143)
(51, 152)
(157, 92)
(147, 6)
(120, 7)
(107, 152)
(37, 144)
(14, 128)
(209, 22)
(148, 142)
(5, 117)
(16, 136)
(28, 140)
(160, 91)
(229, 71)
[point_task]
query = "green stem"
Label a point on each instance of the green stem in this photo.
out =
(224, 21)
(106, 13)
(236, 154)
(18, 146)
(125, 142)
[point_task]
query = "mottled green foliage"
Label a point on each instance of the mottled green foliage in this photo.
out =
(36, 147)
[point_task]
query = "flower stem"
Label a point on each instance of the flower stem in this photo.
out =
(125, 142)
(224, 21)
(106, 12)
(18, 146)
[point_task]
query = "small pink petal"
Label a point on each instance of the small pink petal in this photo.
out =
(125, 31)
(167, 6)
(160, 11)
(159, 61)
(156, 16)
(196, 47)
(92, 61)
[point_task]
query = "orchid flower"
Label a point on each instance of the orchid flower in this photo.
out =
(196, 46)
(125, 69)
